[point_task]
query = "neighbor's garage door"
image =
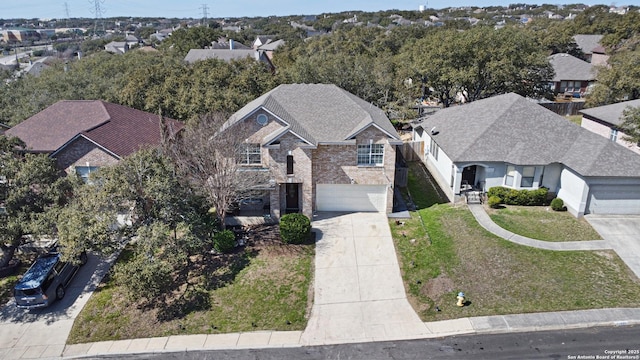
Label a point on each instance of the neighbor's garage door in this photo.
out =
(618, 199)
(339, 197)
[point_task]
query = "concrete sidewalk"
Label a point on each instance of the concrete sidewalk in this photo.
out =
(273, 339)
(621, 233)
(485, 221)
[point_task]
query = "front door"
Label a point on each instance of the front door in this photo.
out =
(468, 177)
(292, 198)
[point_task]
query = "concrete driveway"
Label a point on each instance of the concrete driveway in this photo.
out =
(42, 333)
(359, 293)
(622, 232)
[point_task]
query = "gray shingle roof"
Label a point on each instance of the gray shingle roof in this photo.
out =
(568, 67)
(611, 114)
(586, 43)
(509, 128)
(271, 45)
(320, 113)
(222, 54)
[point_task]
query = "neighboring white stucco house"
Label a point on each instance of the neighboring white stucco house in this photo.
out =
(510, 141)
(605, 120)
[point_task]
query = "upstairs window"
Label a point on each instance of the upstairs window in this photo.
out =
(85, 171)
(371, 154)
(289, 164)
(251, 154)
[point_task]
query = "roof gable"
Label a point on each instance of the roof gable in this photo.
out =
(509, 128)
(320, 113)
(119, 129)
(51, 128)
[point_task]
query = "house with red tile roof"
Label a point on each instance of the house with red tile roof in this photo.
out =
(83, 135)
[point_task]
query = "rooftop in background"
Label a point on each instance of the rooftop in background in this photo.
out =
(612, 113)
(120, 129)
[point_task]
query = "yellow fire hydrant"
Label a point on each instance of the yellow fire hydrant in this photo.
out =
(460, 299)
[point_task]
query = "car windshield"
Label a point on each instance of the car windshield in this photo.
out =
(37, 273)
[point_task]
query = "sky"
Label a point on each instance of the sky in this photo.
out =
(47, 9)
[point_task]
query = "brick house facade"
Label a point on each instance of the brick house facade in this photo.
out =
(303, 148)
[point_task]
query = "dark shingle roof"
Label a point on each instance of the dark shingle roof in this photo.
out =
(611, 114)
(509, 128)
(320, 113)
(119, 129)
(568, 67)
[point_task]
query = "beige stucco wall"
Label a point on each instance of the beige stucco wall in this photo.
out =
(605, 131)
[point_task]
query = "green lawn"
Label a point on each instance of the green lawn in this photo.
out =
(264, 288)
(576, 119)
(542, 223)
(442, 251)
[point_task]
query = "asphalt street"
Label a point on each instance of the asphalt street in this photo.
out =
(602, 343)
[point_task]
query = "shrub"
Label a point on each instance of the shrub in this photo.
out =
(520, 197)
(557, 204)
(494, 201)
(295, 228)
(224, 241)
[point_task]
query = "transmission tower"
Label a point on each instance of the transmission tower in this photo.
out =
(97, 10)
(205, 9)
(66, 12)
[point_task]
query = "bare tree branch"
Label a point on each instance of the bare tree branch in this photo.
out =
(211, 159)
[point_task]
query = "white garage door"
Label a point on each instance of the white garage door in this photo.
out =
(618, 199)
(340, 197)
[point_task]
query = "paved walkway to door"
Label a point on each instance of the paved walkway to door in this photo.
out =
(359, 293)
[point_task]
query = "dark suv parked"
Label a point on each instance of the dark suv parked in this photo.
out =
(46, 280)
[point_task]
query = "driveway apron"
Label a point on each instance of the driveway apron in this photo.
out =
(623, 234)
(359, 293)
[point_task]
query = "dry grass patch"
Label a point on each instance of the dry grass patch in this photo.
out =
(263, 287)
(542, 223)
(442, 250)
(500, 277)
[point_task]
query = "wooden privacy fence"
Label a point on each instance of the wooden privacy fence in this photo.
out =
(412, 150)
(564, 108)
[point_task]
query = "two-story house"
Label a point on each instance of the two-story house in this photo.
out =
(325, 149)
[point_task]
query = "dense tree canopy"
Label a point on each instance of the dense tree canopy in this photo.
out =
(31, 194)
(477, 63)
(620, 80)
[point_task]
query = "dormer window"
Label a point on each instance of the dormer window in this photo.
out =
(251, 155)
